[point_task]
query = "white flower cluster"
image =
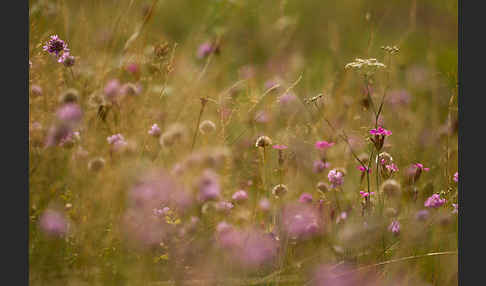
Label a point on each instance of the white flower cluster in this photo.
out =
(392, 50)
(371, 64)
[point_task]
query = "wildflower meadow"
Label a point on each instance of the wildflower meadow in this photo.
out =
(230, 142)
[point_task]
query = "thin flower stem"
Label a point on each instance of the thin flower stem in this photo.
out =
(203, 104)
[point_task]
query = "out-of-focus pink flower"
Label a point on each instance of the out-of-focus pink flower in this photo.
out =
(209, 187)
(264, 204)
(69, 113)
(394, 227)
(343, 275)
(117, 141)
(301, 221)
(155, 130)
(322, 145)
(305, 198)
(319, 166)
(279, 147)
(133, 68)
(112, 89)
(456, 177)
(53, 223)
(250, 248)
(287, 99)
(204, 50)
(240, 196)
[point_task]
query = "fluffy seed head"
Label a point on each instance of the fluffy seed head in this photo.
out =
(390, 188)
(279, 190)
(263, 141)
(96, 164)
(207, 126)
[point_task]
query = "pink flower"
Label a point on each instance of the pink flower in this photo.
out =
(366, 194)
(155, 130)
(301, 221)
(394, 227)
(392, 168)
(336, 178)
(421, 167)
(240, 196)
(264, 204)
(456, 177)
(322, 145)
(305, 198)
(363, 169)
(434, 201)
(380, 131)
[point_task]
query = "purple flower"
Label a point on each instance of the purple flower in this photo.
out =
(300, 221)
(422, 215)
(66, 59)
(394, 227)
(155, 130)
(56, 133)
(117, 141)
(249, 248)
(204, 50)
(322, 145)
(156, 188)
(70, 139)
(69, 113)
(336, 178)
(305, 198)
(55, 45)
(141, 226)
(456, 177)
(240, 196)
(434, 201)
(209, 187)
(112, 89)
(53, 223)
